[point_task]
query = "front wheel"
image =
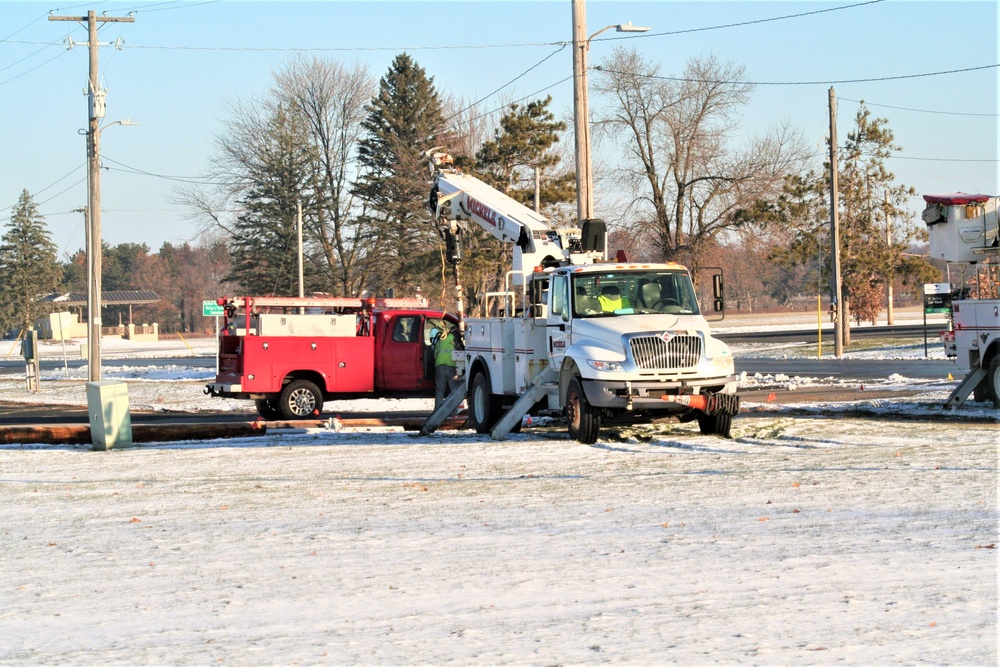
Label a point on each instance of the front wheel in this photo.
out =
(992, 381)
(484, 407)
(717, 424)
(583, 422)
(301, 399)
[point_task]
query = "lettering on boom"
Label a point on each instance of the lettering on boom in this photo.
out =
(483, 211)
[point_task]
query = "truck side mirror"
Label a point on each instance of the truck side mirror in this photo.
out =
(593, 234)
(718, 292)
(539, 311)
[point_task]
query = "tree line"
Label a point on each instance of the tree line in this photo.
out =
(331, 149)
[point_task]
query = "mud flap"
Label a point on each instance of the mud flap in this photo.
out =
(722, 404)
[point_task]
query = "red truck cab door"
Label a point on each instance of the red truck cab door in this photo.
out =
(403, 359)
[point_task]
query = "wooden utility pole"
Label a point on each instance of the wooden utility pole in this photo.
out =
(96, 107)
(836, 292)
(581, 113)
(890, 272)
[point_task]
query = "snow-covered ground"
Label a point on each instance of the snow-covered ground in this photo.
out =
(810, 538)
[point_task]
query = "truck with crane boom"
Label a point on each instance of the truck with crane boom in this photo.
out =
(605, 343)
(962, 230)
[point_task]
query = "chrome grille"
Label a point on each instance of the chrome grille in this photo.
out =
(655, 352)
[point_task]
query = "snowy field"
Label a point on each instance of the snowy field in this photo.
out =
(810, 538)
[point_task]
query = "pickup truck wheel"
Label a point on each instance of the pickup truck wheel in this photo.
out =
(992, 381)
(301, 399)
(583, 422)
(484, 407)
(268, 408)
(719, 424)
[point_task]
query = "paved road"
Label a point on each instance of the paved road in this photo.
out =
(862, 370)
(849, 369)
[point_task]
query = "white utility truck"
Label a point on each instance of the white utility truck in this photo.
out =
(962, 230)
(606, 343)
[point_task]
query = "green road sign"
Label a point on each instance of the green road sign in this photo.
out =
(211, 309)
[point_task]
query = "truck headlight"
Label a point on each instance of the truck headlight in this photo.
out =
(606, 366)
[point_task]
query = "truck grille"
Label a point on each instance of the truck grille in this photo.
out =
(655, 352)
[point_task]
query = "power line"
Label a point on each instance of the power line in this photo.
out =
(180, 179)
(52, 185)
(486, 97)
(745, 23)
(948, 113)
(529, 95)
(798, 83)
(938, 159)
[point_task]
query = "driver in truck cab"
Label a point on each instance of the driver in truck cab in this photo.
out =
(611, 299)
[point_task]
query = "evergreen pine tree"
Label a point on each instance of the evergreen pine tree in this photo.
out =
(263, 248)
(404, 120)
(29, 269)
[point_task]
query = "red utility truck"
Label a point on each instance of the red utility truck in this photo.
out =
(290, 354)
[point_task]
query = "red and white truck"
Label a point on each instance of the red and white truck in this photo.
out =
(290, 354)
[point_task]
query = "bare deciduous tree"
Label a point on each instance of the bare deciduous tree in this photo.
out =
(328, 100)
(688, 175)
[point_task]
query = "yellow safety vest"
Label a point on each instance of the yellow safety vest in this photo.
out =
(611, 305)
(443, 350)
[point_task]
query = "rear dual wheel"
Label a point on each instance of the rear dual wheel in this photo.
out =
(484, 407)
(992, 381)
(301, 399)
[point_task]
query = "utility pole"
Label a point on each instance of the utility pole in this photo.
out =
(890, 273)
(96, 108)
(836, 292)
(581, 113)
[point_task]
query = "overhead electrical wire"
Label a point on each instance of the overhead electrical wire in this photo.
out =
(180, 179)
(470, 46)
(600, 68)
(947, 113)
(486, 97)
(744, 23)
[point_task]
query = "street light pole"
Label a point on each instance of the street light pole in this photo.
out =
(95, 103)
(581, 110)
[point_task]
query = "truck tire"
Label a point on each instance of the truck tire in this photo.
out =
(268, 408)
(484, 407)
(992, 381)
(718, 424)
(301, 399)
(583, 422)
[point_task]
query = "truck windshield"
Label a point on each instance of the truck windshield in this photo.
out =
(633, 292)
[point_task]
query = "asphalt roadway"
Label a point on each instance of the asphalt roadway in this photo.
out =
(843, 370)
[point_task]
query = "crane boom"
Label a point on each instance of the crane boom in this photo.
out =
(457, 197)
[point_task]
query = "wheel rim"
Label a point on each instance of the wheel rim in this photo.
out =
(302, 402)
(573, 410)
(479, 402)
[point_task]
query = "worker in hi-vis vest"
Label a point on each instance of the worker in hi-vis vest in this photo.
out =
(612, 300)
(445, 380)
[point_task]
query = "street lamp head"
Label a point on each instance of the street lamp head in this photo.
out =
(628, 27)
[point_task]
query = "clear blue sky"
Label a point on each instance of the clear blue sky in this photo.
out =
(183, 63)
